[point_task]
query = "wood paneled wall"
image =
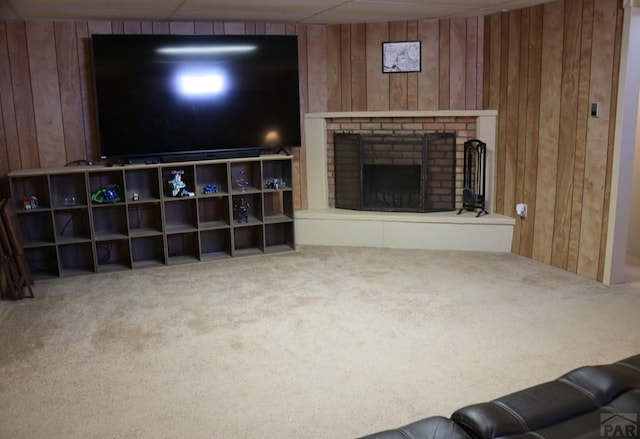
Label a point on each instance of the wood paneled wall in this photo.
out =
(46, 95)
(450, 78)
(544, 67)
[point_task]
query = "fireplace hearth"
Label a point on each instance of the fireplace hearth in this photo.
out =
(396, 173)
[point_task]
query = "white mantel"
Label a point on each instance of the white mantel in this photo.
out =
(322, 225)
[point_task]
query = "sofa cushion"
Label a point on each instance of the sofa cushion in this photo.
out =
(524, 411)
(603, 383)
(435, 427)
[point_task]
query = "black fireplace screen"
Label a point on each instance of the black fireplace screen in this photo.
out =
(398, 173)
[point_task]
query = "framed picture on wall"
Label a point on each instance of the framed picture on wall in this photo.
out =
(401, 57)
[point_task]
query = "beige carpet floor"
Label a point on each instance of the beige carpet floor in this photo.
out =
(324, 342)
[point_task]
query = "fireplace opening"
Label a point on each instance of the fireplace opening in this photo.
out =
(392, 172)
(392, 187)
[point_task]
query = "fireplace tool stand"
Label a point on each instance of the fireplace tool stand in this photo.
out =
(475, 163)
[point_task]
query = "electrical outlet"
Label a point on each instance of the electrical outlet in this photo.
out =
(521, 210)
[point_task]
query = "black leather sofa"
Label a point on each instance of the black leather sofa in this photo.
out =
(587, 403)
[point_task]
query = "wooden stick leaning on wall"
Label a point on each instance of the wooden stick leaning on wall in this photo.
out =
(15, 272)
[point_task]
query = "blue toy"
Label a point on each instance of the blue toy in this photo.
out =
(178, 187)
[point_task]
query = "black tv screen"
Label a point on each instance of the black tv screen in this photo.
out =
(193, 96)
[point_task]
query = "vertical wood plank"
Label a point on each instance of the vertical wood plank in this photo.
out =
(612, 127)
(203, 28)
(534, 84)
(358, 67)
(501, 147)
(300, 171)
(552, 38)
(523, 39)
(428, 79)
(457, 63)
(146, 27)
(567, 134)
(345, 62)
(495, 44)
(181, 28)
(274, 28)
(513, 98)
(22, 95)
(597, 137)
(398, 83)
(412, 78)
(70, 94)
(317, 65)
(334, 70)
(161, 27)
(444, 80)
(234, 28)
(132, 28)
(581, 135)
(10, 154)
(377, 82)
(250, 29)
(471, 64)
(46, 93)
(480, 81)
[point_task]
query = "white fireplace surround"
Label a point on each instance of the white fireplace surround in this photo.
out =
(323, 225)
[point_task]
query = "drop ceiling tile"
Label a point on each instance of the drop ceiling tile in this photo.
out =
(98, 9)
(253, 10)
(360, 12)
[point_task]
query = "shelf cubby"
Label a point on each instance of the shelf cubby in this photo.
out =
(187, 174)
(278, 206)
(25, 187)
(99, 180)
(68, 190)
(279, 237)
(145, 219)
(72, 225)
(215, 244)
(246, 177)
(113, 255)
(37, 228)
(248, 240)
(147, 251)
(43, 262)
(213, 175)
(142, 185)
(76, 259)
(276, 175)
(253, 204)
(180, 215)
(109, 221)
(213, 212)
(182, 248)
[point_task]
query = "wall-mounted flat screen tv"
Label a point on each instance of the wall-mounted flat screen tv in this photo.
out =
(174, 97)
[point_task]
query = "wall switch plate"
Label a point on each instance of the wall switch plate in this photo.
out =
(595, 109)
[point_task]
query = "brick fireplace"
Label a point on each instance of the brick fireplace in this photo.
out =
(462, 127)
(395, 172)
(322, 223)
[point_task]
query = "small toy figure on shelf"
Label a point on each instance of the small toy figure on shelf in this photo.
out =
(275, 183)
(178, 187)
(241, 181)
(30, 203)
(241, 210)
(210, 189)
